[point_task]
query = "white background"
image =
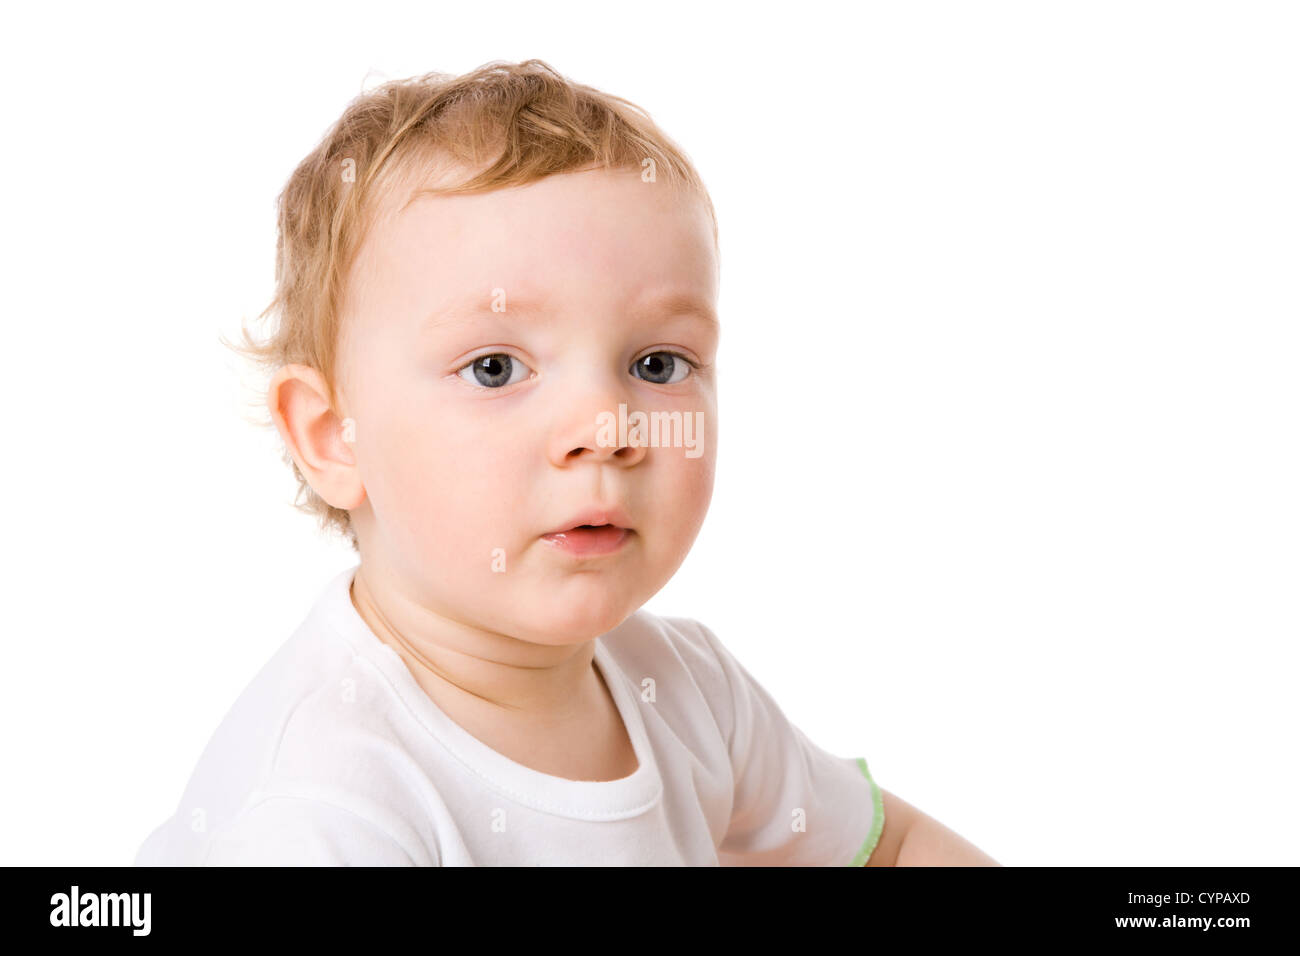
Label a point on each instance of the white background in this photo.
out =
(1007, 498)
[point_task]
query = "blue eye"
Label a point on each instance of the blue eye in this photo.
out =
(661, 367)
(495, 370)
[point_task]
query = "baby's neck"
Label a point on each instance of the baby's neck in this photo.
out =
(556, 717)
(491, 672)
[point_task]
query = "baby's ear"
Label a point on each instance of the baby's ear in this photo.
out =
(319, 441)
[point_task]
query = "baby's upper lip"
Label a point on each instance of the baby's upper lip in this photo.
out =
(597, 516)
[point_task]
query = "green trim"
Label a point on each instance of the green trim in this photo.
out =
(877, 819)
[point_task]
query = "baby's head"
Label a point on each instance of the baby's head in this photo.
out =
(480, 279)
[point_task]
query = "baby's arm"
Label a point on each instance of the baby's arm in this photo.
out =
(910, 838)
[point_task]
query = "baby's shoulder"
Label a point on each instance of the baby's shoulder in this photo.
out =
(344, 723)
(311, 733)
(671, 649)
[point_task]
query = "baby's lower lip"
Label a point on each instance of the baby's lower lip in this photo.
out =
(588, 542)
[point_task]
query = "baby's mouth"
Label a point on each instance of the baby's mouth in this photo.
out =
(589, 540)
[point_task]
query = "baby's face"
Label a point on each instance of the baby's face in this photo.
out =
(484, 336)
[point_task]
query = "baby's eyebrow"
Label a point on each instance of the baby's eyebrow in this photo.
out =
(469, 307)
(683, 303)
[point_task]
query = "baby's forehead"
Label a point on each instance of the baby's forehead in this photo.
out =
(564, 246)
(413, 181)
(603, 221)
(399, 186)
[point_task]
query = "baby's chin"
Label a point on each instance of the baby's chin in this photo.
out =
(574, 626)
(555, 621)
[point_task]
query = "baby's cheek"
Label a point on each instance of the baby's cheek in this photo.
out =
(692, 492)
(459, 512)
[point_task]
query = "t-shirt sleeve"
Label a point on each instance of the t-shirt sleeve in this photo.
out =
(794, 803)
(297, 831)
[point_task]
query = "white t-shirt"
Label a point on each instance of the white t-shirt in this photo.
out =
(334, 755)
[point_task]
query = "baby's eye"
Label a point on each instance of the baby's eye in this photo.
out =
(661, 367)
(495, 370)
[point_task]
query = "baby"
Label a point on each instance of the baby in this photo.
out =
(494, 372)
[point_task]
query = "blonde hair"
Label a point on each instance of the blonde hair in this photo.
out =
(514, 122)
